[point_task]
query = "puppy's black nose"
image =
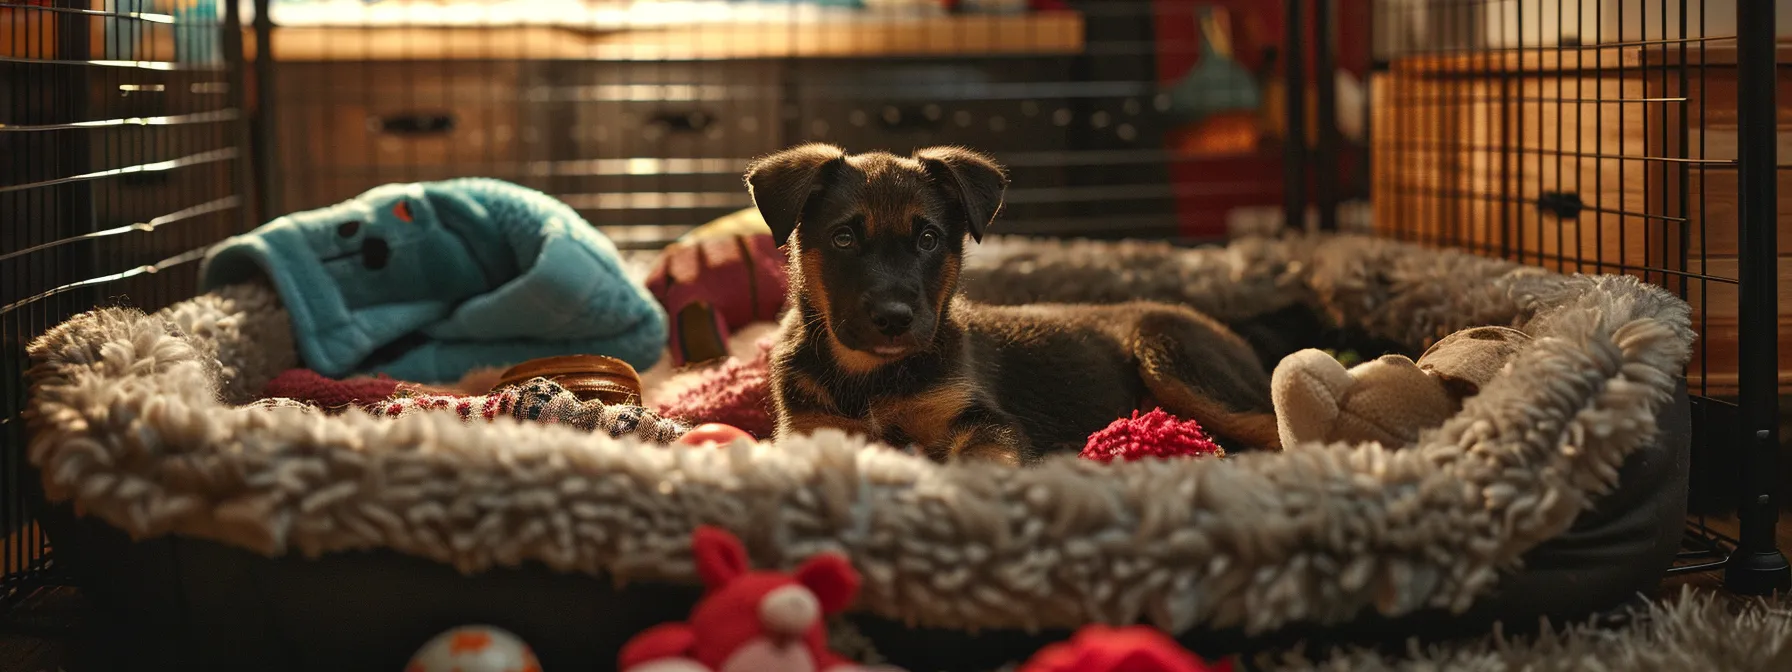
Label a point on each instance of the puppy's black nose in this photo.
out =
(891, 317)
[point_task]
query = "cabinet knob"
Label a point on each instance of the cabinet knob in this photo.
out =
(691, 121)
(414, 124)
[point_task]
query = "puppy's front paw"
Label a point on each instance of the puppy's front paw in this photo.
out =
(994, 453)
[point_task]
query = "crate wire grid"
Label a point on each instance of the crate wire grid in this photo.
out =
(1612, 136)
(115, 174)
(133, 143)
(640, 122)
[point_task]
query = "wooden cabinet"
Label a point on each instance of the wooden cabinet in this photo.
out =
(644, 148)
(345, 127)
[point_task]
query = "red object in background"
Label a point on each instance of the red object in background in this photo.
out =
(713, 434)
(330, 394)
(711, 286)
(1208, 188)
(1155, 434)
(1099, 648)
(736, 393)
(751, 620)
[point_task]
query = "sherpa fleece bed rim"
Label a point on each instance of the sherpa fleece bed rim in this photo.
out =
(130, 424)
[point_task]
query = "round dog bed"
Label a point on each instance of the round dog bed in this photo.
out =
(212, 533)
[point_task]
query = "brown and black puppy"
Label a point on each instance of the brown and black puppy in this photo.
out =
(878, 342)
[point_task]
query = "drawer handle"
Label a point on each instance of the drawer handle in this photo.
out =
(1562, 204)
(415, 124)
(695, 121)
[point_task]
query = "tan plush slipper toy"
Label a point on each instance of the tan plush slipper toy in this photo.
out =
(1390, 399)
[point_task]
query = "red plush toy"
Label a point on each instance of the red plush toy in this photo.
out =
(1135, 649)
(1155, 434)
(750, 621)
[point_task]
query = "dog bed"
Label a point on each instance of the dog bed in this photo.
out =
(216, 536)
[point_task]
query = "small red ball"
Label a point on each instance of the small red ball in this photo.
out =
(713, 434)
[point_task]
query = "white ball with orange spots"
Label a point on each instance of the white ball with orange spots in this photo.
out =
(474, 648)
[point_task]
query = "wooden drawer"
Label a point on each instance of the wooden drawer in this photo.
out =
(1438, 173)
(1016, 106)
(650, 150)
(1018, 112)
(344, 127)
(664, 110)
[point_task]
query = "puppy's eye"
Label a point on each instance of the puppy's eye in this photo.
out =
(843, 238)
(928, 240)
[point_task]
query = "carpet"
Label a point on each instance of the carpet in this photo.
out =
(1694, 630)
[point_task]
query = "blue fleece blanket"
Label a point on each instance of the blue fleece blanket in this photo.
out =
(426, 281)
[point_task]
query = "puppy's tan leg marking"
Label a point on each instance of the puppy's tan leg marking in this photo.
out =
(802, 390)
(987, 443)
(803, 406)
(801, 423)
(981, 431)
(926, 418)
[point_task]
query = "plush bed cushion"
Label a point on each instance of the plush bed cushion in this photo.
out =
(1555, 490)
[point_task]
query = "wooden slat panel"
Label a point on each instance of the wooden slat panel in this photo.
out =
(1719, 299)
(1594, 151)
(1716, 191)
(1054, 32)
(1716, 349)
(1433, 180)
(1521, 62)
(1716, 86)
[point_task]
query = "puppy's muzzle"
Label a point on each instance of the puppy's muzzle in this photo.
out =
(891, 318)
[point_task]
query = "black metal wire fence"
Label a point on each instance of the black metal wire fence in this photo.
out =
(1584, 136)
(121, 151)
(1613, 136)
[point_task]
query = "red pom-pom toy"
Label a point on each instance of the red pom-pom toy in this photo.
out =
(1099, 648)
(1155, 434)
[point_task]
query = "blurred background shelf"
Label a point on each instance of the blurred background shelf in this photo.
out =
(574, 38)
(1031, 34)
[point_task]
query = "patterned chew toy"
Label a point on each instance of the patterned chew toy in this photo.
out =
(543, 401)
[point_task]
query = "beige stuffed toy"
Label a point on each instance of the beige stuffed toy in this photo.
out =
(1390, 399)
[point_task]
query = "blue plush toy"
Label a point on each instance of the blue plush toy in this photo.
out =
(426, 281)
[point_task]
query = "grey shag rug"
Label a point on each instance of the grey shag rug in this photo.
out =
(1694, 631)
(137, 420)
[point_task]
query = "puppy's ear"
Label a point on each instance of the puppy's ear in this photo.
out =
(781, 184)
(974, 180)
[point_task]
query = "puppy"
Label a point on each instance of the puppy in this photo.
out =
(878, 342)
